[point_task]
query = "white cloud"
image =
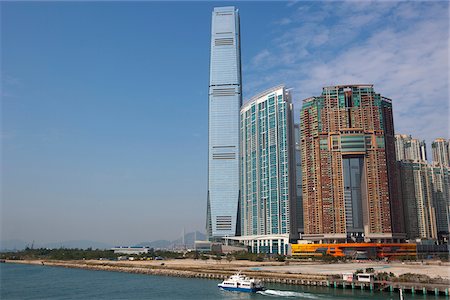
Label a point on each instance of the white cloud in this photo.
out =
(261, 58)
(10, 80)
(8, 86)
(400, 47)
(284, 21)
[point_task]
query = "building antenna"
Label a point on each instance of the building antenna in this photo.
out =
(183, 239)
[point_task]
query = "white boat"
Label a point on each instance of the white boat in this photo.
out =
(241, 283)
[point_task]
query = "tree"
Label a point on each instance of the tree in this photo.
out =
(218, 257)
(280, 258)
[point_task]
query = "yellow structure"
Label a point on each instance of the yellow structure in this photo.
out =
(355, 250)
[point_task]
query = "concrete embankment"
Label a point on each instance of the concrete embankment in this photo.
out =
(191, 272)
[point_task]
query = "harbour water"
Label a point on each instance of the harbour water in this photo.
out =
(19, 281)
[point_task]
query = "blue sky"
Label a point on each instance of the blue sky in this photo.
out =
(104, 104)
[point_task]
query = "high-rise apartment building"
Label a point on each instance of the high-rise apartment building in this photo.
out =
(268, 201)
(441, 198)
(298, 178)
(440, 149)
(417, 196)
(225, 100)
(408, 148)
(424, 188)
(350, 178)
(441, 184)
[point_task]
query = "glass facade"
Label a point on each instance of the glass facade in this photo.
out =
(225, 101)
(268, 165)
(353, 180)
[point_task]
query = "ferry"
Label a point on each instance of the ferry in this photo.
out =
(241, 283)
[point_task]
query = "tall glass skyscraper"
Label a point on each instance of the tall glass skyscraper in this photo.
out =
(225, 100)
(268, 164)
(268, 201)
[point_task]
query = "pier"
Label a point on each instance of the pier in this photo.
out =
(391, 286)
(394, 286)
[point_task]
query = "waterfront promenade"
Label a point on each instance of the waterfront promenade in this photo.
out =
(297, 273)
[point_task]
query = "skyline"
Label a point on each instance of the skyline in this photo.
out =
(92, 126)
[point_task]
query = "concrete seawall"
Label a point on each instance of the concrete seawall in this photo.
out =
(178, 272)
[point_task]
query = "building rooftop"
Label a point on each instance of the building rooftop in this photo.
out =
(348, 85)
(257, 96)
(224, 8)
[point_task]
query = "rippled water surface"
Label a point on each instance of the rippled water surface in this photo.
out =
(44, 282)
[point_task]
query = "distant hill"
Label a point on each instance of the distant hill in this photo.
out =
(189, 239)
(13, 245)
(81, 244)
(159, 244)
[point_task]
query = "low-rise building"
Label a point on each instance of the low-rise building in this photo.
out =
(355, 250)
(130, 250)
(265, 243)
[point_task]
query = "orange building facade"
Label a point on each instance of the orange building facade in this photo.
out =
(350, 180)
